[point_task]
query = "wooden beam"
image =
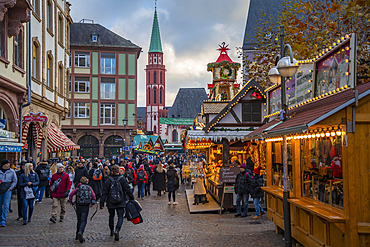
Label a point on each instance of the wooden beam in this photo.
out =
(235, 116)
(362, 117)
(363, 227)
(225, 151)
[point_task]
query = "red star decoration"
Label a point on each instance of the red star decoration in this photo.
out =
(223, 48)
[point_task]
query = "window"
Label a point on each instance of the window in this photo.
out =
(35, 60)
(69, 110)
(155, 117)
(148, 77)
(94, 38)
(36, 7)
(60, 28)
(69, 81)
(2, 38)
(61, 80)
(155, 129)
(251, 112)
(107, 88)
(155, 96)
(82, 110)
(149, 97)
(18, 49)
(107, 63)
(50, 15)
(174, 136)
(82, 84)
(49, 72)
(82, 59)
(160, 96)
(3, 116)
(107, 113)
(160, 79)
(155, 77)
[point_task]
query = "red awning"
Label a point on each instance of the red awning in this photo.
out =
(57, 141)
(36, 132)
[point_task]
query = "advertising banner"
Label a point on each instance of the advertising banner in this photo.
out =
(275, 100)
(300, 87)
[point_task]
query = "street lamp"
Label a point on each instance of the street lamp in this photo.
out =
(124, 138)
(287, 66)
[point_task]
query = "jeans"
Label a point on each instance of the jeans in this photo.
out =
(20, 203)
(4, 205)
(258, 207)
(147, 189)
(120, 213)
(27, 203)
(40, 193)
(239, 198)
(133, 189)
(173, 196)
(140, 189)
(82, 213)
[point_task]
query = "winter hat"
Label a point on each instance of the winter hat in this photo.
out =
(257, 170)
(59, 165)
(243, 166)
(122, 168)
(4, 162)
(141, 167)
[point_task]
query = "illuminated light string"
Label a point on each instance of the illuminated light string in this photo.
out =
(318, 133)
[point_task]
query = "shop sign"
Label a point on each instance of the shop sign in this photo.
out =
(228, 174)
(10, 148)
(275, 100)
(300, 87)
(229, 189)
(35, 117)
(2, 123)
(6, 134)
(145, 151)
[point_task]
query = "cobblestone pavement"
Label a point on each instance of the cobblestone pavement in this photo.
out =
(163, 225)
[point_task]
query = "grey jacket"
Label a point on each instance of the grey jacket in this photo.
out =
(8, 180)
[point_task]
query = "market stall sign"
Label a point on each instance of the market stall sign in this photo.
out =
(6, 134)
(10, 147)
(145, 151)
(228, 174)
(35, 117)
(229, 189)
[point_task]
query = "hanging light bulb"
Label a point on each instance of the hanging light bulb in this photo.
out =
(318, 135)
(339, 132)
(332, 133)
(322, 134)
(327, 134)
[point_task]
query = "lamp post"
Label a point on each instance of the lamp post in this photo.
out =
(124, 138)
(285, 67)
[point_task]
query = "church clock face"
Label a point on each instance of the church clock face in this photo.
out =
(226, 72)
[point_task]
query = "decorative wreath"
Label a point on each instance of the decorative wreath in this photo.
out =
(222, 71)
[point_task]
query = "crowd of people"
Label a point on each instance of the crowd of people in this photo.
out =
(85, 183)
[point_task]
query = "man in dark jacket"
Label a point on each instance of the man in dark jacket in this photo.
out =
(115, 207)
(80, 172)
(149, 173)
(257, 192)
(42, 171)
(19, 190)
(96, 183)
(241, 188)
(172, 184)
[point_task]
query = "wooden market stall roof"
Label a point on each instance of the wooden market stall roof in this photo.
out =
(314, 112)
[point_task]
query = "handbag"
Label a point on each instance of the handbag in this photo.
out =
(55, 185)
(30, 191)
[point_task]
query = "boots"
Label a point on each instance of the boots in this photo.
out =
(80, 237)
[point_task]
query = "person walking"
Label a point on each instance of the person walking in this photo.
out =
(42, 171)
(19, 191)
(60, 193)
(241, 188)
(80, 172)
(159, 179)
(96, 180)
(149, 173)
(257, 192)
(85, 198)
(8, 180)
(115, 191)
(141, 180)
(71, 173)
(132, 173)
(29, 182)
(172, 184)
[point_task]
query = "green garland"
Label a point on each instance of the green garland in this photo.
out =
(222, 71)
(225, 129)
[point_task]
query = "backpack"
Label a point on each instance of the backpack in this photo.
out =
(84, 196)
(97, 175)
(115, 191)
(44, 174)
(141, 176)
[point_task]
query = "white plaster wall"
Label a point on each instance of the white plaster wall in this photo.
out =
(238, 110)
(60, 101)
(49, 95)
(228, 119)
(36, 88)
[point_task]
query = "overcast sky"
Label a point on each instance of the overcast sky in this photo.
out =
(191, 31)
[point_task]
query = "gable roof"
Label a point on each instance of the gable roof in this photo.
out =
(81, 35)
(242, 92)
(213, 107)
(187, 103)
(271, 8)
(155, 39)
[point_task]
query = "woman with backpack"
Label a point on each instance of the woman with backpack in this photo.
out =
(172, 184)
(141, 180)
(96, 180)
(28, 183)
(85, 197)
(159, 179)
(42, 171)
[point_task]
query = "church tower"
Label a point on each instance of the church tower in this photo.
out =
(155, 81)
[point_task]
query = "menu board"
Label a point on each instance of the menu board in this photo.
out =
(300, 87)
(333, 71)
(228, 174)
(275, 100)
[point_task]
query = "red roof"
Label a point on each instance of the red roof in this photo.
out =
(223, 54)
(309, 112)
(262, 128)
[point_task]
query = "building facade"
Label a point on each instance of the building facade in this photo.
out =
(155, 81)
(50, 55)
(13, 83)
(102, 91)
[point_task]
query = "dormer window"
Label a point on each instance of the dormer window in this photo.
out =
(94, 38)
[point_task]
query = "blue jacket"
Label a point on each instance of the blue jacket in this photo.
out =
(8, 180)
(23, 182)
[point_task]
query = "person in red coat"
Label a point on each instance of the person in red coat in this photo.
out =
(141, 180)
(60, 194)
